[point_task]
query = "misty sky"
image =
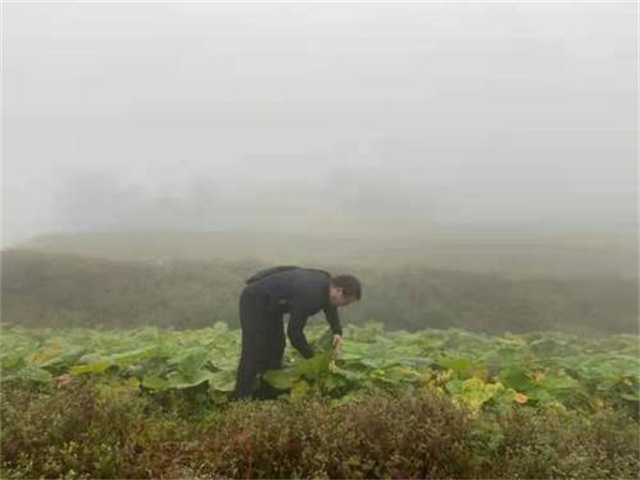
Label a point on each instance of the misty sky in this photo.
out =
(201, 116)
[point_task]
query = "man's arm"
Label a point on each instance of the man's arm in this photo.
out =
(297, 321)
(331, 312)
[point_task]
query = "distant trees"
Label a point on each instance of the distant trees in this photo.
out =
(66, 290)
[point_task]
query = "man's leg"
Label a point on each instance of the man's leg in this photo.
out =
(274, 352)
(253, 345)
(247, 368)
(277, 343)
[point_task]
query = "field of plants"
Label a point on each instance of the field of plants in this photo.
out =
(531, 381)
(477, 370)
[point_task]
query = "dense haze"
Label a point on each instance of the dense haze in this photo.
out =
(212, 116)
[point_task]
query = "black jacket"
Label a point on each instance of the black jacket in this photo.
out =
(301, 292)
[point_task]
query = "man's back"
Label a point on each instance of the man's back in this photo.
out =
(306, 289)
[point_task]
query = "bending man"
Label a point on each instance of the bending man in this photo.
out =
(300, 292)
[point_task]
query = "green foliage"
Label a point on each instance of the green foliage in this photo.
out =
(479, 371)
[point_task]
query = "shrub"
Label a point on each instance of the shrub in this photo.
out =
(82, 430)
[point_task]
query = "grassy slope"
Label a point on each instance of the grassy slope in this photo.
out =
(46, 289)
(513, 254)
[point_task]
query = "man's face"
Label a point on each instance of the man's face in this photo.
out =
(338, 298)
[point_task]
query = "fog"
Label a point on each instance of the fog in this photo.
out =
(319, 117)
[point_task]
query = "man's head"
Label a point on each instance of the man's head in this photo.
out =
(344, 289)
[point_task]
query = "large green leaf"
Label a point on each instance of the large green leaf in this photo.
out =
(190, 361)
(473, 392)
(30, 374)
(463, 367)
(223, 381)
(313, 367)
(98, 367)
(179, 380)
(281, 379)
(154, 382)
(133, 357)
(517, 378)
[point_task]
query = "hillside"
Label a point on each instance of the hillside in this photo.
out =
(45, 289)
(515, 254)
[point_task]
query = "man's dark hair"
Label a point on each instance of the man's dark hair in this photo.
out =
(349, 284)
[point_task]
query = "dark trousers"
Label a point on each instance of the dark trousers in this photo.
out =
(263, 340)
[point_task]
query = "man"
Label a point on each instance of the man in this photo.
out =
(300, 292)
